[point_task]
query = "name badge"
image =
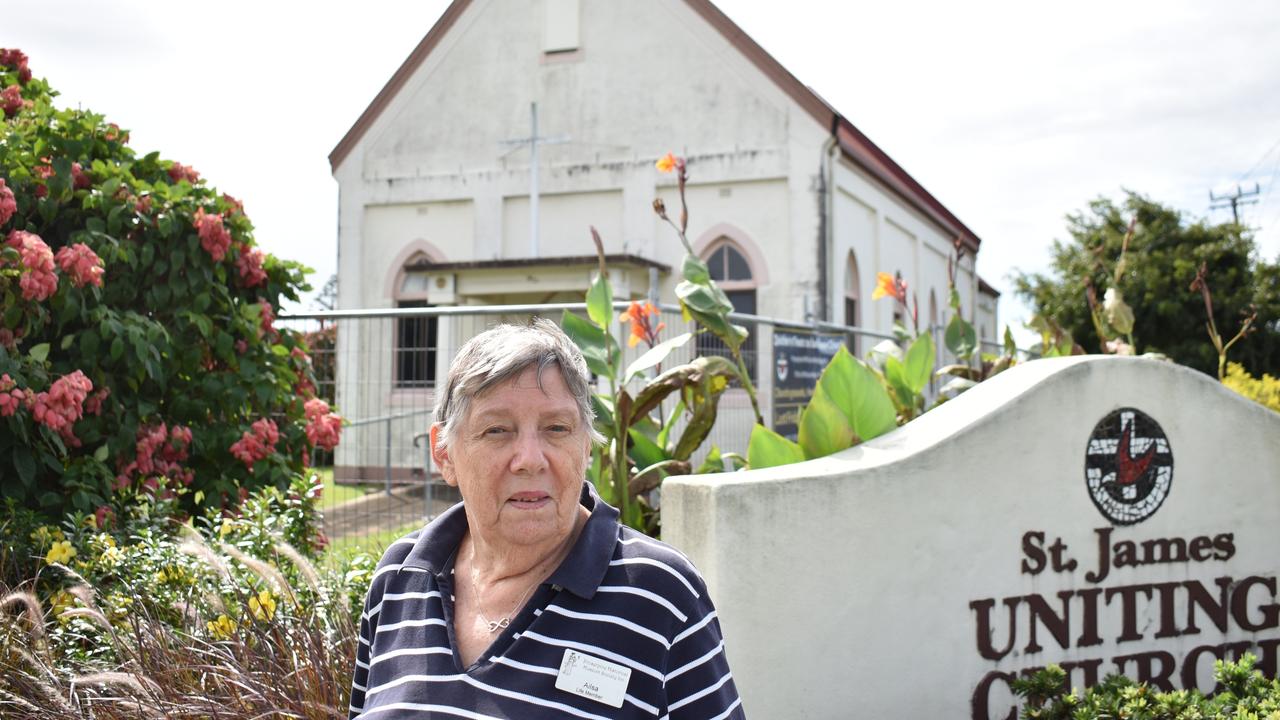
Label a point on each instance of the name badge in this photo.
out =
(593, 678)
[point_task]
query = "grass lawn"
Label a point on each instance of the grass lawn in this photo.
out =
(373, 543)
(335, 494)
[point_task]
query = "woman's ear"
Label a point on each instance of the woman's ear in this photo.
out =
(440, 456)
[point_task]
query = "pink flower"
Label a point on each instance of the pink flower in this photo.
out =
(8, 205)
(242, 347)
(93, 405)
(102, 516)
(256, 443)
(63, 404)
(214, 238)
(266, 320)
(236, 205)
(323, 427)
(113, 133)
(16, 59)
(7, 339)
(158, 451)
(11, 396)
(11, 100)
(179, 172)
(79, 178)
(38, 281)
(249, 263)
(142, 205)
(82, 264)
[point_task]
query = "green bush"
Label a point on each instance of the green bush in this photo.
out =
(1244, 693)
(136, 336)
(219, 617)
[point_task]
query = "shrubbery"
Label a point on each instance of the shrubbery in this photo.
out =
(226, 616)
(136, 326)
(1243, 693)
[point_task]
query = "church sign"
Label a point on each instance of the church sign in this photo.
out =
(799, 357)
(1128, 473)
(1108, 515)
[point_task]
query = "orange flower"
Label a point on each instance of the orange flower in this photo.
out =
(639, 315)
(666, 163)
(889, 286)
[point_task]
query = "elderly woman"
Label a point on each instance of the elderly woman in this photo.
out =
(529, 599)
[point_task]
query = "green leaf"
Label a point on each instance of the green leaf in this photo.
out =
(919, 363)
(960, 338)
(590, 339)
(89, 343)
(39, 352)
(66, 341)
(769, 449)
(655, 355)
(694, 270)
(102, 453)
(857, 391)
(600, 301)
(1010, 347)
(712, 463)
(664, 435)
(117, 348)
(25, 464)
(895, 373)
(644, 451)
(824, 429)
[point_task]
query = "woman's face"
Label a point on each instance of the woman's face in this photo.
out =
(518, 458)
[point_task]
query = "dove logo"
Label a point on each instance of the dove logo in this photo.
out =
(1128, 466)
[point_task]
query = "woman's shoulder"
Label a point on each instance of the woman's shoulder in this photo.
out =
(398, 551)
(651, 562)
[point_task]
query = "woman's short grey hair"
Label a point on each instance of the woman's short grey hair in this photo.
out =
(500, 354)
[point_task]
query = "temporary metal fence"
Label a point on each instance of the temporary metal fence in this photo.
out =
(380, 368)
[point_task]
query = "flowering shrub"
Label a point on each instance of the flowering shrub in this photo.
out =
(137, 338)
(230, 619)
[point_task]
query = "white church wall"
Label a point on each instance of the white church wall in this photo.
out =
(972, 544)
(390, 230)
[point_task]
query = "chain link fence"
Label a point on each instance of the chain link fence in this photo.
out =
(381, 368)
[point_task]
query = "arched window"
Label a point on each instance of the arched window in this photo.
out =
(851, 308)
(732, 271)
(416, 337)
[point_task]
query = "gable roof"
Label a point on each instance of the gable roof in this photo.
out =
(853, 144)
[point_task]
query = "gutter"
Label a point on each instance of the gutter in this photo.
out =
(826, 219)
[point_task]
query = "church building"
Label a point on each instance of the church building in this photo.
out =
(474, 175)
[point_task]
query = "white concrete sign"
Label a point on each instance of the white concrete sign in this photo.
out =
(1112, 515)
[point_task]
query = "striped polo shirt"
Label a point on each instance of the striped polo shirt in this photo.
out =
(619, 596)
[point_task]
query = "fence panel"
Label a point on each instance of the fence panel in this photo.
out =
(381, 369)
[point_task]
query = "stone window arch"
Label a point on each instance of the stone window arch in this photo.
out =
(852, 289)
(416, 338)
(733, 269)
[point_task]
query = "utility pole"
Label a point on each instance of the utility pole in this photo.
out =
(1234, 200)
(533, 141)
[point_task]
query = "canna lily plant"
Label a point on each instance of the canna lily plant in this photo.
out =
(643, 445)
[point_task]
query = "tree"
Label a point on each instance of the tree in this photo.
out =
(1163, 255)
(137, 348)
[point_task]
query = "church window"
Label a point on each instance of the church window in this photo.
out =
(731, 270)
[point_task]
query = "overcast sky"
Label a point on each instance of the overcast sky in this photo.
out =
(1011, 113)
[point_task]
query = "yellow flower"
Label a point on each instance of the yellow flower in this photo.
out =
(111, 557)
(60, 602)
(91, 521)
(226, 527)
(106, 539)
(44, 535)
(262, 606)
(61, 552)
(118, 605)
(666, 163)
(222, 628)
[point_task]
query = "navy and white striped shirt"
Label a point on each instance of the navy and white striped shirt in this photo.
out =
(618, 596)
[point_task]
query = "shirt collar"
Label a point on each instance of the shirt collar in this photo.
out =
(581, 571)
